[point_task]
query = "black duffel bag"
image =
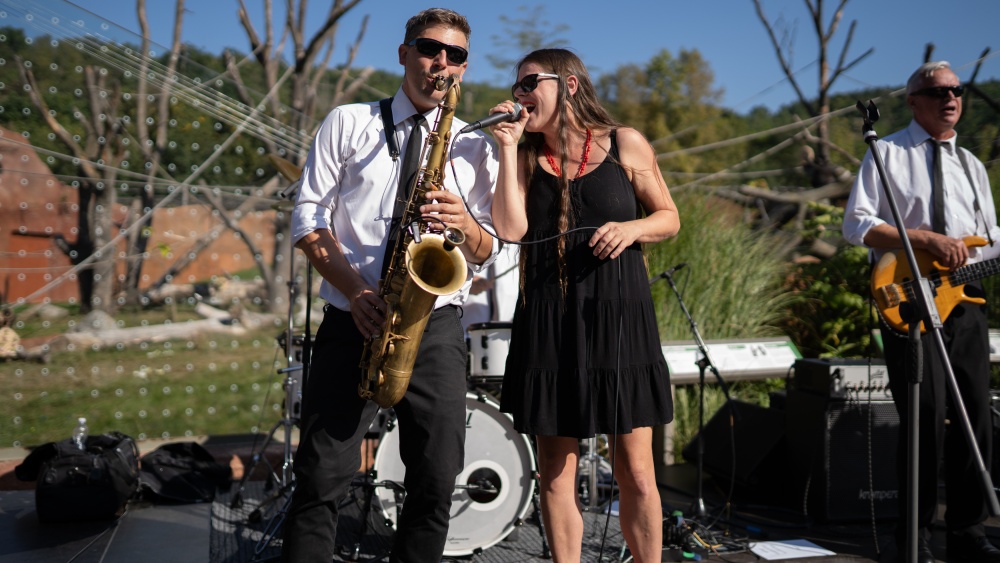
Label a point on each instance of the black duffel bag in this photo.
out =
(75, 485)
(182, 472)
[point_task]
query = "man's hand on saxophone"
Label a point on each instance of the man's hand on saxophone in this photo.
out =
(450, 210)
(368, 311)
(452, 213)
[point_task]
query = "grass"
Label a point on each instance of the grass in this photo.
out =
(215, 384)
(732, 287)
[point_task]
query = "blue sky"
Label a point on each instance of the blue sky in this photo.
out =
(728, 34)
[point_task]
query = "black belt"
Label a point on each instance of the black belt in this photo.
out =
(328, 307)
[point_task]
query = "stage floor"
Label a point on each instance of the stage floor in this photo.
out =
(218, 532)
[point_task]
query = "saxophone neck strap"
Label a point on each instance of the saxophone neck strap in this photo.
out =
(390, 127)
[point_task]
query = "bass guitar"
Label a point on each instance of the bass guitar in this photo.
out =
(893, 283)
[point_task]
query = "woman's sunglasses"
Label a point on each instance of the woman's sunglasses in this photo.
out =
(530, 82)
(940, 91)
(430, 48)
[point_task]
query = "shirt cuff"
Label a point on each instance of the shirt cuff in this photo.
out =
(494, 250)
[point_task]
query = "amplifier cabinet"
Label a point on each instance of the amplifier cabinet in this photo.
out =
(834, 445)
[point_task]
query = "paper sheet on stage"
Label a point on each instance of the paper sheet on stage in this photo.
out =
(788, 549)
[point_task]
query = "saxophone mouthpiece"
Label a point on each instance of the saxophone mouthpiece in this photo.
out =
(442, 83)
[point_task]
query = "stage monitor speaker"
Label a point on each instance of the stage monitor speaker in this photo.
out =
(832, 443)
(758, 439)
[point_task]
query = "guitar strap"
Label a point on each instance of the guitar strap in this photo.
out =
(975, 192)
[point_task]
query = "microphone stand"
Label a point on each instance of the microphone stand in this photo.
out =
(925, 312)
(703, 363)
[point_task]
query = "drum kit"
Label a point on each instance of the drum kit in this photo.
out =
(496, 488)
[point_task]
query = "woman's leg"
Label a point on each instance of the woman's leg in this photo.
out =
(558, 458)
(639, 507)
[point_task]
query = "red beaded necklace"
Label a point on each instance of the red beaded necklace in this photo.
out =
(583, 159)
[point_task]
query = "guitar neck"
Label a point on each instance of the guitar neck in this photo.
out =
(973, 272)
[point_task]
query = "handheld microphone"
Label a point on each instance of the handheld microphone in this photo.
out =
(668, 272)
(494, 119)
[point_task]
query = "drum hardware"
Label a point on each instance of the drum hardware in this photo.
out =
(484, 485)
(368, 482)
(285, 480)
(594, 477)
(298, 350)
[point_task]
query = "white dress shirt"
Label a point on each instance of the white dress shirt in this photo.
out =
(349, 185)
(908, 158)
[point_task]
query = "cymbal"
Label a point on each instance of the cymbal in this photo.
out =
(285, 167)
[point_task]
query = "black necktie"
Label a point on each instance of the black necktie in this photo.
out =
(411, 162)
(938, 188)
(407, 172)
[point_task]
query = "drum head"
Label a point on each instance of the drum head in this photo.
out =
(492, 493)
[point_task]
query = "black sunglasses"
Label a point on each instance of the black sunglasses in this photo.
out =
(431, 47)
(940, 91)
(530, 82)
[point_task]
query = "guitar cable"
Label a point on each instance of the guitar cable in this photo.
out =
(871, 476)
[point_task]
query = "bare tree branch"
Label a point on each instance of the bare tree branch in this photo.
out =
(325, 31)
(785, 66)
(979, 64)
(57, 128)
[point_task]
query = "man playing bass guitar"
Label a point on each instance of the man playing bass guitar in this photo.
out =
(923, 161)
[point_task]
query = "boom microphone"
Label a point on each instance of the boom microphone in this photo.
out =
(494, 119)
(668, 272)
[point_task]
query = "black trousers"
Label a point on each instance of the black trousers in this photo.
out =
(966, 340)
(431, 425)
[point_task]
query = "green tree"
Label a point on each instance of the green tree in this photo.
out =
(672, 100)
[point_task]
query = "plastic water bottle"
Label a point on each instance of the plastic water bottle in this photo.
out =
(80, 434)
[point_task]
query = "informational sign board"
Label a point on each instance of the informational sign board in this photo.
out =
(750, 359)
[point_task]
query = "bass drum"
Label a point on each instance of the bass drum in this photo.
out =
(492, 493)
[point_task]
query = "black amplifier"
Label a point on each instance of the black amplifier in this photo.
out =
(839, 378)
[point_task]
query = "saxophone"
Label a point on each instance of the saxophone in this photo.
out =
(423, 265)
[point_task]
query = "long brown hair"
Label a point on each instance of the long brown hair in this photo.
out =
(589, 114)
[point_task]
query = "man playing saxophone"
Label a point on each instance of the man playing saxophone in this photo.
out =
(343, 222)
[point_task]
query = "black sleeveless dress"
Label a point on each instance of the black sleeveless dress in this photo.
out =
(590, 363)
